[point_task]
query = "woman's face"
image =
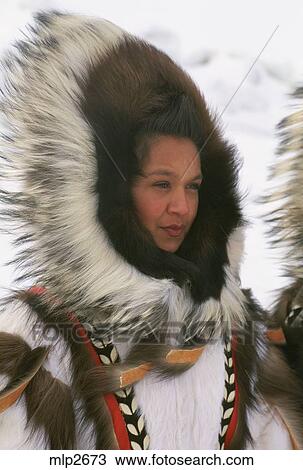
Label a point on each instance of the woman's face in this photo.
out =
(166, 196)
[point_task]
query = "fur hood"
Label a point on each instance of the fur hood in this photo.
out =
(75, 94)
(286, 230)
(287, 173)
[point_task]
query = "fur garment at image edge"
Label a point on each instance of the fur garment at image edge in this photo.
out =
(285, 229)
(76, 94)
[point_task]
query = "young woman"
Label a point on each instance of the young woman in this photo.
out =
(136, 333)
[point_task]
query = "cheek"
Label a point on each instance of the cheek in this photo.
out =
(194, 208)
(149, 207)
(151, 210)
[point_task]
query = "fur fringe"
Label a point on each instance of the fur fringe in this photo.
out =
(45, 396)
(287, 173)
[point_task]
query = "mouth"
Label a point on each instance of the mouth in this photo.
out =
(174, 230)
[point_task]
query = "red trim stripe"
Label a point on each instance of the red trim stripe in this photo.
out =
(110, 399)
(117, 418)
(234, 419)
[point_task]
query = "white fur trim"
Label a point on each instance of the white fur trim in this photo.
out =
(267, 430)
(18, 319)
(4, 380)
(184, 412)
(235, 249)
(14, 434)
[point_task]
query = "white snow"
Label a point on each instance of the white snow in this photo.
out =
(217, 43)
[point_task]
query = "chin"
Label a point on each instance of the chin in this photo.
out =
(172, 246)
(166, 243)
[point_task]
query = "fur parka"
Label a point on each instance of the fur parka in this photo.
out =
(286, 230)
(76, 94)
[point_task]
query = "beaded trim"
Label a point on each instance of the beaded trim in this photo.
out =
(138, 437)
(134, 420)
(228, 402)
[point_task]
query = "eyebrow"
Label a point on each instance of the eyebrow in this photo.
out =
(171, 173)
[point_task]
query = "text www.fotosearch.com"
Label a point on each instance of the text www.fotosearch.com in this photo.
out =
(154, 459)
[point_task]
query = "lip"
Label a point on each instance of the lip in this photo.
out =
(174, 230)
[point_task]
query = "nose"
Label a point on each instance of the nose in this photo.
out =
(178, 203)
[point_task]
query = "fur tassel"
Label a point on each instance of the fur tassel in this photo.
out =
(50, 407)
(45, 395)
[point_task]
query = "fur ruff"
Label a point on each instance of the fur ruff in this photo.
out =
(46, 91)
(286, 227)
(287, 173)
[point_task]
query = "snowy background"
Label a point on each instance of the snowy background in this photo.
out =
(217, 42)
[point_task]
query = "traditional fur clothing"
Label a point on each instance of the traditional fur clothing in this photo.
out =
(77, 94)
(287, 232)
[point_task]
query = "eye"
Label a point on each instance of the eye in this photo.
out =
(162, 184)
(194, 186)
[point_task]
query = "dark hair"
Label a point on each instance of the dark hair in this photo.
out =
(177, 118)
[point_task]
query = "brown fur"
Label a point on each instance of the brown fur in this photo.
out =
(293, 349)
(246, 359)
(13, 351)
(283, 304)
(280, 388)
(87, 378)
(84, 382)
(243, 370)
(45, 395)
(48, 397)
